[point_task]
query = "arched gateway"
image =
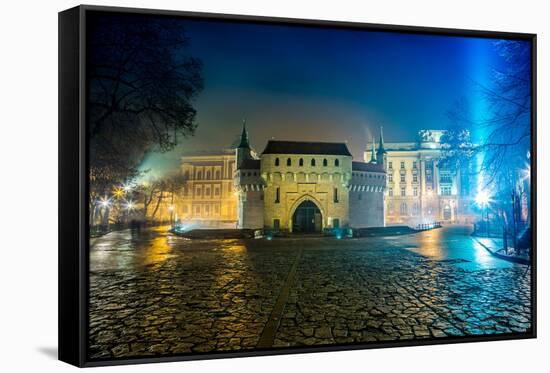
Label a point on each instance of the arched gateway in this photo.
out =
(307, 218)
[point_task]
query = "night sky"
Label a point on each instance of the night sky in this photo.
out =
(318, 84)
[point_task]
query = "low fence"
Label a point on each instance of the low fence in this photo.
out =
(427, 226)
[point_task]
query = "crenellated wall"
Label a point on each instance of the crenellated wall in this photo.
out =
(318, 182)
(366, 199)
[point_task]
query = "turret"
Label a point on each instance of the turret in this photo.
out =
(243, 150)
(373, 152)
(381, 153)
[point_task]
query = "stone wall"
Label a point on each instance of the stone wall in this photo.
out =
(250, 189)
(366, 199)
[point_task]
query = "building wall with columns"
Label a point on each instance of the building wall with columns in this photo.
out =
(208, 196)
(420, 189)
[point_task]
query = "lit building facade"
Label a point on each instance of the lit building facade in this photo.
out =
(208, 197)
(307, 186)
(419, 188)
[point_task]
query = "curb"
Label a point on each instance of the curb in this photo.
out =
(504, 257)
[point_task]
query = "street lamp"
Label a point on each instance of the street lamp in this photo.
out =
(483, 199)
(171, 208)
(105, 202)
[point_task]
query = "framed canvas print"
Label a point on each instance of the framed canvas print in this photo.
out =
(234, 186)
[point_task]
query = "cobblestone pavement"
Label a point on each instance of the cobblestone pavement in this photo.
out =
(155, 294)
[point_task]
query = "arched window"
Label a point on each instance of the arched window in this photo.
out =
(207, 175)
(301, 162)
(337, 162)
(313, 162)
(199, 175)
(289, 162)
(276, 161)
(403, 209)
(325, 162)
(218, 174)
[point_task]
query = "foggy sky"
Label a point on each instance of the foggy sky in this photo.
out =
(296, 83)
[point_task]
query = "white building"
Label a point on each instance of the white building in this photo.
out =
(419, 188)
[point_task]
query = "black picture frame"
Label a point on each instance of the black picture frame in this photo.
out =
(73, 186)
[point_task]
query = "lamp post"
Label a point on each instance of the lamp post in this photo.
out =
(482, 200)
(171, 209)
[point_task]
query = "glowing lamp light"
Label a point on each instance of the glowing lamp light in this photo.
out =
(171, 207)
(130, 205)
(483, 198)
(118, 193)
(105, 202)
(126, 188)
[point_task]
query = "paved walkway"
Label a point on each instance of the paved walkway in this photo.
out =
(157, 294)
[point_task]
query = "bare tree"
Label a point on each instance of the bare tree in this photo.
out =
(141, 87)
(501, 153)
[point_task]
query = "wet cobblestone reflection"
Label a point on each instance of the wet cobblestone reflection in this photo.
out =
(156, 294)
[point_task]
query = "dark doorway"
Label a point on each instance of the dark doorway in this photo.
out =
(307, 218)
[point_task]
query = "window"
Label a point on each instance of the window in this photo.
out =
(390, 178)
(216, 191)
(402, 165)
(390, 192)
(277, 195)
(337, 162)
(403, 192)
(445, 178)
(325, 162)
(415, 178)
(289, 162)
(414, 165)
(416, 209)
(197, 210)
(403, 209)
(276, 224)
(198, 191)
(360, 196)
(208, 175)
(336, 223)
(301, 163)
(207, 210)
(199, 175)
(277, 162)
(185, 209)
(218, 175)
(207, 192)
(313, 162)
(445, 190)
(216, 209)
(335, 195)
(402, 178)
(390, 165)
(415, 191)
